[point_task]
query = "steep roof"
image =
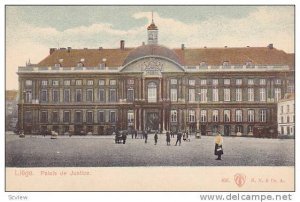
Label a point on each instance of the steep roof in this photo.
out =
(187, 56)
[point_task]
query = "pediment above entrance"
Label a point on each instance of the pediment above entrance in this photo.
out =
(152, 66)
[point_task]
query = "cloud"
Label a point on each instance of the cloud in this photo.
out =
(262, 26)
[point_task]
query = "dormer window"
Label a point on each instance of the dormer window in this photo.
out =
(102, 65)
(80, 64)
(226, 63)
(57, 65)
(248, 64)
(202, 64)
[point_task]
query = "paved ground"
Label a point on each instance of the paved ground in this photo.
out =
(36, 151)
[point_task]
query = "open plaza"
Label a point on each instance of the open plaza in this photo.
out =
(102, 151)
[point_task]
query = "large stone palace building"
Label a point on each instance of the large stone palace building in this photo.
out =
(234, 90)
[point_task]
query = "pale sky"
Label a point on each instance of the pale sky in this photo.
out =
(32, 30)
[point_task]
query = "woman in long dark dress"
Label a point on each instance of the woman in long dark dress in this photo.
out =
(168, 138)
(218, 146)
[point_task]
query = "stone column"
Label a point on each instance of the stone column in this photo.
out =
(164, 119)
(143, 88)
(140, 119)
(159, 90)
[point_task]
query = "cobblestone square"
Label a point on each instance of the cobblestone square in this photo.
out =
(91, 151)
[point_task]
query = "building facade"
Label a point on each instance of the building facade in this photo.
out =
(286, 115)
(234, 90)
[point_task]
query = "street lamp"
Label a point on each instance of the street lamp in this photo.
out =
(21, 132)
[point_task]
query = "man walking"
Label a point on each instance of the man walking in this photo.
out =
(145, 136)
(179, 135)
(155, 138)
(168, 138)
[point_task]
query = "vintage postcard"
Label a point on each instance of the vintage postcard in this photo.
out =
(150, 98)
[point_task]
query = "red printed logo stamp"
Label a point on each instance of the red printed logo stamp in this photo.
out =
(240, 179)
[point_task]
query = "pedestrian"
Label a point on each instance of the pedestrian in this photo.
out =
(184, 136)
(168, 138)
(132, 134)
(179, 135)
(135, 134)
(218, 146)
(172, 134)
(155, 138)
(145, 136)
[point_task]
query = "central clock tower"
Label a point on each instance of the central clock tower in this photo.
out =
(152, 33)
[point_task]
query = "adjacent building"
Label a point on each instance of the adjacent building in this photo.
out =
(153, 87)
(11, 109)
(286, 115)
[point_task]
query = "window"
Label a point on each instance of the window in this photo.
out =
(250, 94)
(282, 119)
(227, 94)
(173, 81)
(44, 82)
(89, 117)
(203, 82)
(192, 82)
(112, 117)
(288, 108)
(202, 64)
(101, 95)
(192, 95)
(250, 82)
(67, 95)
(277, 94)
(55, 95)
(28, 117)
(55, 83)
(238, 82)
(278, 81)
(238, 94)
(226, 81)
(288, 130)
(90, 82)
(215, 115)
(101, 82)
(174, 94)
(130, 81)
(112, 95)
(281, 109)
(262, 81)
(130, 95)
(262, 94)
(225, 63)
(78, 95)
(28, 96)
(66, 117)
(44, 96)
(101, 117)
(112, 82)
(239, 129)
(173, 115)
(78, 82)
(28, 82)
(67, 82)
(192, 117)
(89, 95)
(263, 115)
(57, 65)
(215, 82)
(282, 130)
(79, 64)
(78, 117)
(44, 116)
(250, 129)
(152, 92)
(203, 95)
(226, 115)
(203, 115)
(238, 115)
(250, 115)
(130, 117)
(55, 117)
(287, 119)
(215, 95)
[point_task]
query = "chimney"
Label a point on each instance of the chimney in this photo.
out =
(100, 48)
(143, 43)
(270, 46)
(204, 46)
(122, 44)
(52, 50)
(182, 47)
(248, 46)
(69, 49)
(225, 46)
